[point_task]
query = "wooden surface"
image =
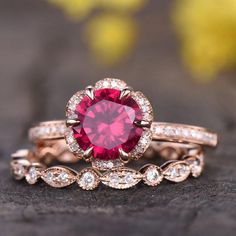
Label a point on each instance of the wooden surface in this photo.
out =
(43, 61)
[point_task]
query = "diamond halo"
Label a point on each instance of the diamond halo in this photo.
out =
(143, 138)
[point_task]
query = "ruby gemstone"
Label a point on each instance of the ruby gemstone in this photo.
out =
(107, 124)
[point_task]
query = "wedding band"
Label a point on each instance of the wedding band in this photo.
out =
(25, 165)
(161, 131)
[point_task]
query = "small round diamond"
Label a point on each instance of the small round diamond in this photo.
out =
(174, 172)
(32, 175)
(106, 83)
(183, 170)
(128, 178)
(88, 179)
(196, 169)
(19, 168)
(70, 139)
(114, 179)
(63, 177)
(110, 164)
(19, 171)
(74, 147)
(153, 175)
(50, 176)
(196, 166)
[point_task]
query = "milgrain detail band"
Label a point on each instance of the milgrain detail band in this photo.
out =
(161, 132)
(24, 165)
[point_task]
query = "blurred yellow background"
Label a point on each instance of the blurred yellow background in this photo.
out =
(206, 30)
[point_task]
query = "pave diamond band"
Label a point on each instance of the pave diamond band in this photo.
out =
(47, 130)
(183, 133)
(161, 132)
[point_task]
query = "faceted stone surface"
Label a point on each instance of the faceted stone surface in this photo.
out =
(32, 175)
(152, 176)
(106, 124)
(88, 179)
(19, 171)
(63, 177)
(114, 179)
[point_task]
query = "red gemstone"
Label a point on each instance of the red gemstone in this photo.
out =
(106, 124)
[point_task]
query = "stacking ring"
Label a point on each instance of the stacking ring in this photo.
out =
(109, 125)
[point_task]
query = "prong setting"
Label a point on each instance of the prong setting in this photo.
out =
(89, 91)
(142, 123)
(125, 92)
(88, 154)
(72, 122)
(124, 156)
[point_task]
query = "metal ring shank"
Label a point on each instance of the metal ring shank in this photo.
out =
(170, 132)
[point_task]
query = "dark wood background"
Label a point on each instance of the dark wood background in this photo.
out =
(43, 61)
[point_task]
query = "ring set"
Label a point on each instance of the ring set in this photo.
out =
(111, 126)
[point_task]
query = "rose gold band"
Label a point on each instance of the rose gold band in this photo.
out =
(49, 150)
(25, 164)
(161, 132)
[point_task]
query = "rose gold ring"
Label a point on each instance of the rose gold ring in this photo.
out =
(26, 165)
(112, 123)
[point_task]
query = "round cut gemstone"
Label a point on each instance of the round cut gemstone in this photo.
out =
(32, 175)
(107, 123)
